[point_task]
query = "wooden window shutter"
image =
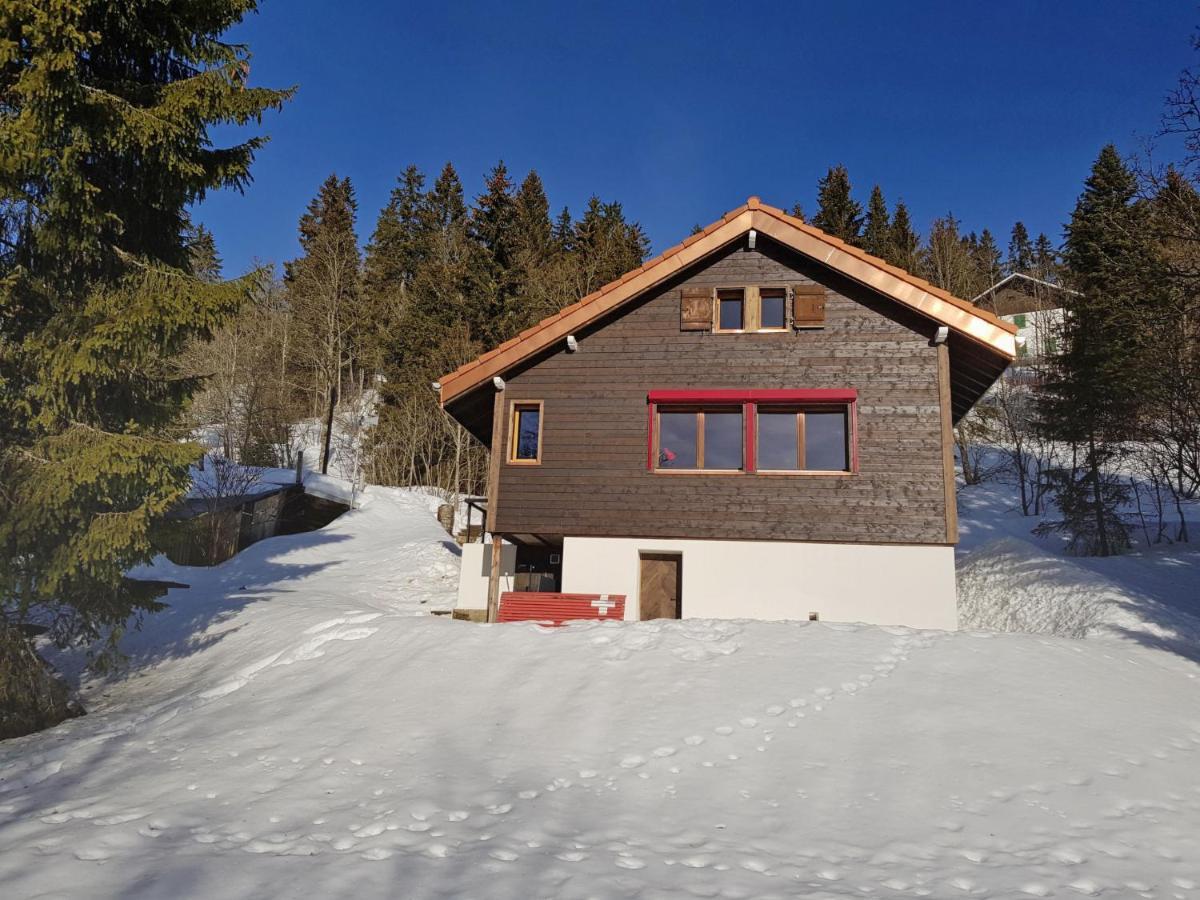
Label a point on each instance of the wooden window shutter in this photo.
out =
(696, 309)
(808, 306)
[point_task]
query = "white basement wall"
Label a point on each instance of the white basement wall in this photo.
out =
(879, 584)
(476, 568)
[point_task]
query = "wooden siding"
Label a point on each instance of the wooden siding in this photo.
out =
(593, 479)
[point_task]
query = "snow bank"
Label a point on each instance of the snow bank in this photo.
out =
(1010, 580)
(293, 726)
(1012, 585)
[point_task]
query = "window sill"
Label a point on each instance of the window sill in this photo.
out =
(751, 331)
(698, 472)
(819, 473)
(524, 462)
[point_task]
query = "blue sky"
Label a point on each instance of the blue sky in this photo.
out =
(994, 111)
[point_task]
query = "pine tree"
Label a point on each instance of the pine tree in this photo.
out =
(796, 213)
(838, 213)
(904, 246)
(104, 143)
(494, 221)
(877, 232)
(564, 231)
(1091, 399)
(988, 270)
(1045, 259)
(538, 274)
(453, 297)
(1020, 251)
(202, 250)
(396, 248)
(605, 246)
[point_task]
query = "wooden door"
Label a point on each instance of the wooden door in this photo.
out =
(661, 583)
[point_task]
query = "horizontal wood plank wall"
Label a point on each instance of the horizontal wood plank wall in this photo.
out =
(593, 479)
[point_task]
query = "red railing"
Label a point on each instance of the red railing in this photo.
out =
(555, 609)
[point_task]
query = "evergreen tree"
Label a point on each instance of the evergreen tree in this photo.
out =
(202, 249)
(494, 221)
(877, 232)
(533, 236)
(538, 265)
(904, 246)
(1091, 399)
(104, 143)
(396, 248)
(324, 289)
(605, 246)
(453, 292)
(838, 213)
(796, 213)
(1020, 251)
(564, 231)
(1045, 259)
(988, 270)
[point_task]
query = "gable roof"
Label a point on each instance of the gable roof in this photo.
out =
(1020, 293)
(981, 326)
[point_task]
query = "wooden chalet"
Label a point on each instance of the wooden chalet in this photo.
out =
(756, 423)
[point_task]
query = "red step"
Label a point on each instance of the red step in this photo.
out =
(554, 609)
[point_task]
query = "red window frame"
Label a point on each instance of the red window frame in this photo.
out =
(749, 401)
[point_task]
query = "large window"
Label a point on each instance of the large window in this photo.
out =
(768, 431)
(813, 439)
(699, 438)
(526, 444)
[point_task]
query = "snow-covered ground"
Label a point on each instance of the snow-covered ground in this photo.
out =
(293, 726)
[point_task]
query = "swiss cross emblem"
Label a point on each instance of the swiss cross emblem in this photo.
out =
(604, 604)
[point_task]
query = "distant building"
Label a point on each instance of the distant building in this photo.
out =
(1036, 308)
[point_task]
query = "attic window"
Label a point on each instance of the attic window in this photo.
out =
(772, 309)
(731, 310)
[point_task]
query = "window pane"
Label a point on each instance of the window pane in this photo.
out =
(731, 313)
(777, 440)
(677, 440)
(528, 420)
(825, 441)
(772, 309)
(723, 440)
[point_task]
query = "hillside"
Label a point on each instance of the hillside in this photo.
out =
(293, 726)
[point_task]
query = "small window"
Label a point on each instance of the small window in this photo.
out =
(731, 310)
(803, 440)
(526, 433)
(700, 439)
(772, 304)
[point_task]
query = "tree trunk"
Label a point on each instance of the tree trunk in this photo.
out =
(333, 394)
(1098, 498)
